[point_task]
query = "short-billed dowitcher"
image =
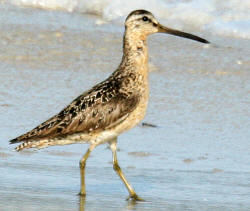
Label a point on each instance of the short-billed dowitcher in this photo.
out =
(111, 107)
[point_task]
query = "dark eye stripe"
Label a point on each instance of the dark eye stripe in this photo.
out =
(154, 24)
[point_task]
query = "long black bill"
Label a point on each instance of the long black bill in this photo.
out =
(163, 29)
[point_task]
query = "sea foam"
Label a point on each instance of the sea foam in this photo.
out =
(225, 18)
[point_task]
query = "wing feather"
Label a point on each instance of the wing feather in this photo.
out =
(101, 107)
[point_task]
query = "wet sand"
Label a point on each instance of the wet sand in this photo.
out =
(197, 158)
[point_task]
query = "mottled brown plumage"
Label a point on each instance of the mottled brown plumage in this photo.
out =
(112, 106)
(102, 107)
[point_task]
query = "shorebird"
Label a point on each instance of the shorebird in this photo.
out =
(111, 107)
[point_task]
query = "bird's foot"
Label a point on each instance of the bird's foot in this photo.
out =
(134, 197)
(81, 194)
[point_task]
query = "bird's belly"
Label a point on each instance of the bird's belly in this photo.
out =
(100, 137)
(134, 117)
(131, 121)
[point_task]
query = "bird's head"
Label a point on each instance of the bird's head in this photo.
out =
(143, 23)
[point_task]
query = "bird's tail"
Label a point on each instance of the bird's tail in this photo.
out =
(24, 145)
(43, 143)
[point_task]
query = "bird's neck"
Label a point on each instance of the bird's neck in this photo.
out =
(135, 52)
(133, 70)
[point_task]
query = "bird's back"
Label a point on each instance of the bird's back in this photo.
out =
(104, 106)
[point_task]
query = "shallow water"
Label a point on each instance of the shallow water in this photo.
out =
(197, 158)
(229, 18)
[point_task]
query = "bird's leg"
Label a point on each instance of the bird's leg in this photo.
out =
(116, 167)
(82, 165)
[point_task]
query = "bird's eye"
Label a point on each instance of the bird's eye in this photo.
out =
(145, 18)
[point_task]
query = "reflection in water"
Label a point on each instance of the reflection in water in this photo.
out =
(131, 204)
(82, 203)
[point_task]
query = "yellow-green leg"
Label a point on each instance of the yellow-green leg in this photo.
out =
(116, 167)
(82, 169)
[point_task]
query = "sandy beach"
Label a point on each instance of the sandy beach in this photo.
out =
(197, 158)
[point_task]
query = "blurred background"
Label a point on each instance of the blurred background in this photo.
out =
(196, 158)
